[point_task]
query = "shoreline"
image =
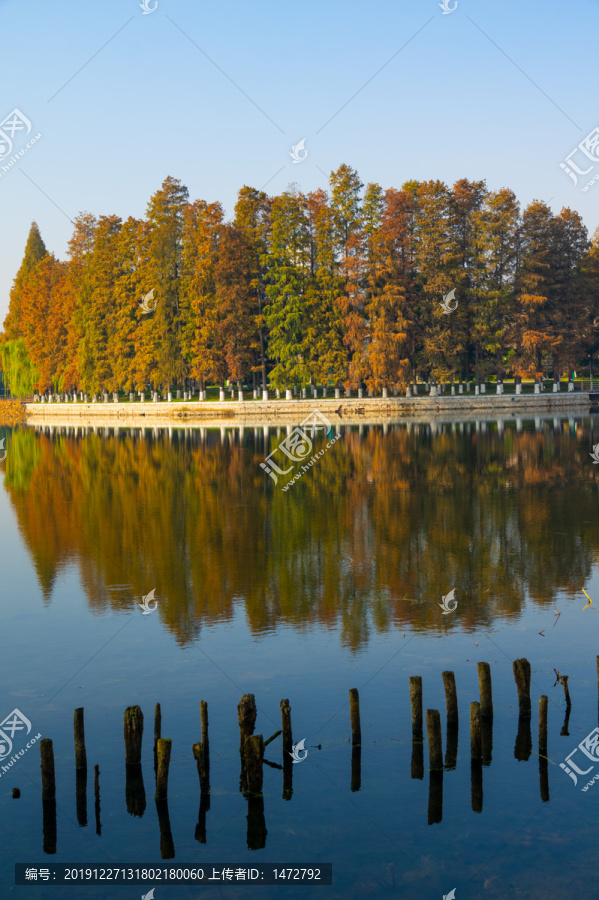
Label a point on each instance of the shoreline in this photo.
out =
(277, 412)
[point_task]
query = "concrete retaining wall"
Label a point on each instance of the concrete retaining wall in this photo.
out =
(294, 411)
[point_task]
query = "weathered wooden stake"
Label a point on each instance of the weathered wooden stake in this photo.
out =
(485, 689)
(48, 777)
(79, 727)
(164, 757)
(435, 797)
(97, 798)
(286, 726)
(451, 746)
(246, 714)
(204, 725)
(254, 754)
(416, 702)
(157, 728)
(475, 738)
(133, 729)
(543, 705)
(451, 698)
(354, 712)
(522, 677)
(201, 757)
(167, 845)
(564, 681)
(433, 733)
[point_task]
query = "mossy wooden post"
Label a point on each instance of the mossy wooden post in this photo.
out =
(416, 703)
(79, 728)
(254, 754)
(286, 726)
(354, 712)
(523, 746)
(47, 763)
(97, 798)
(246, 715)
(157, 732)
(433, 733)
(451, 698)
(522, 677)
(475, 738)
(163, 750)
(485, 689)
(133, 729)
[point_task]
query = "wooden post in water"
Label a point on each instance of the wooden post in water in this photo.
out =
(433, 733)
(133, 729)
(543, 762)
(204, 724)
(246, 715)
(416, 702)
(485, 689)
(164, 758)
(286, 726)
(97, 798)
(522, 677)
(80, 767)
(254, 754)
(354, 712)
(79, 728)
(475, 738)
(47, 762)
(48, 795)
(435, 797)
(564, 681)
(157, 733)
(167, 846)
(451, 698)
(201, 757)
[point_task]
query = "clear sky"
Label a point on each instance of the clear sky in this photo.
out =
(216, 94)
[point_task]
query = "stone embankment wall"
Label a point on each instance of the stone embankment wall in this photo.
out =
(294, 411)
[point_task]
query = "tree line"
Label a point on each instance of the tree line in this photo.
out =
(339, 287)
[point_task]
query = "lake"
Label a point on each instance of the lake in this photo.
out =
(336, 583)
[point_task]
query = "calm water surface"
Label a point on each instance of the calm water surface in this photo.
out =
(304, 594)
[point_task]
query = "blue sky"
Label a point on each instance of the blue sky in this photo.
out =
(217, 94)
